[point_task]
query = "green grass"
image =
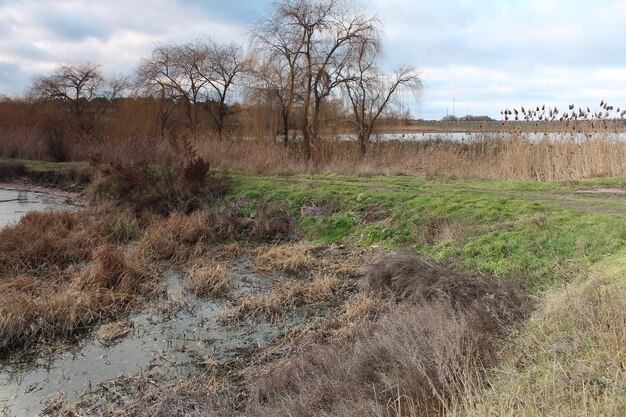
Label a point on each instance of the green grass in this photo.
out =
(33, 165)
(500, 233)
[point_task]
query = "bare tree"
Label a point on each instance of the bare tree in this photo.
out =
(193, 73)
(278, 47)
(222, 65)
(176, 73)
(75, 85)
(370, 92)
(322, 35)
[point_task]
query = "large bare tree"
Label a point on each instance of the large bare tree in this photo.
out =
(319, 38)
(278, 48)
(370, 91)
(175, 73)
(75, 85)
(223, 64)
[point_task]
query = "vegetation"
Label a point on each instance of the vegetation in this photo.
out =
(417, 277)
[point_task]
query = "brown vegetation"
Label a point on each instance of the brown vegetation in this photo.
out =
(211, 279)
(422, 354)
(62, 272)
(290, 258)
(284, 297)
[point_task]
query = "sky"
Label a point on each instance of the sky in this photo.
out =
(475, 56)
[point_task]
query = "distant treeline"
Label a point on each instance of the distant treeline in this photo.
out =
(309, 68)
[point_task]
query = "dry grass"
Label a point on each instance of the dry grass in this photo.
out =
(63, 272)
(421, 355)
(290, 258)
(421, 280)
(426, 353)
(34, 310)
(569, 360)
(176, 238)
(43, 242)
(212, 279)
(323, 288)
(501, 158)
(363, 307)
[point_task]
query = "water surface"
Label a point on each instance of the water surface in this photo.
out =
(14, 203)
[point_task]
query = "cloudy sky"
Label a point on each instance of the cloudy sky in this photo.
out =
(476, 56)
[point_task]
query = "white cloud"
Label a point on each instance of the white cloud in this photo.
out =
(483, 54)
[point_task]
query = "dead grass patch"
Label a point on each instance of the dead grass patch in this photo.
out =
(426, 351)
(290, 258)
(363, 307)
(212, 279)
(63, 272)
(44, 241)
(570, 359)
(284, 297)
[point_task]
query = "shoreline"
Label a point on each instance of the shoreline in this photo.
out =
(77, 198)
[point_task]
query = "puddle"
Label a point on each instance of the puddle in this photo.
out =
(175, 337)
(15, 203)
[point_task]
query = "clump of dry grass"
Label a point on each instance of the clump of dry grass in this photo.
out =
(62, 272)
(211, 279)
(44, 241)
(366, 306)
(291, 258)
(178, 237)
(323, 288)
(431, 348)
(423, 355)
(418, 279)
(111, 269)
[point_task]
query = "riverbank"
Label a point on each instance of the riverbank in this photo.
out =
(356, 271)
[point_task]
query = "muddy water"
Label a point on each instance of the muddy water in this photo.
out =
(15, 203)
(176, 337)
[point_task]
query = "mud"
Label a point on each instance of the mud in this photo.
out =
(177, 337)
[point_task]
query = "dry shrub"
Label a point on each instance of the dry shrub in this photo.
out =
(290, 258)
(432, 348)
(212, 279)
(159, 188)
